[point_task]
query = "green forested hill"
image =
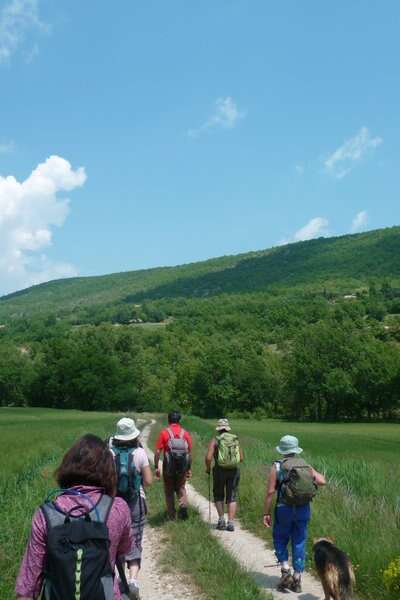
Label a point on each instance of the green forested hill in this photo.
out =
(338, 264)
(308, 330)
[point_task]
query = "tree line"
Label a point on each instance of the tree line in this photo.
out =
(304, 356)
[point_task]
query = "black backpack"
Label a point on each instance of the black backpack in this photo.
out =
(77, 563)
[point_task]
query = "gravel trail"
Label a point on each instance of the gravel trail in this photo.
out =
(249, 550)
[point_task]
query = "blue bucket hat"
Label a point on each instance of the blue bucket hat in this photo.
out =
(289, 444)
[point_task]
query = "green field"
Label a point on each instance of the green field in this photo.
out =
(360, 506)
(31, 444)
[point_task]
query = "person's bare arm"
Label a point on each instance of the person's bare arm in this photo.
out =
(241, 454)
(319, 478)
(210, 455)
(271, 488)
(157, 455)
(147, 476)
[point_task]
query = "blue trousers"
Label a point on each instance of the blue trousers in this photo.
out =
(290, 525)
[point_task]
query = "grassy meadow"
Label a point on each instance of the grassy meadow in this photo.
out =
(360, 506)
(31, 444)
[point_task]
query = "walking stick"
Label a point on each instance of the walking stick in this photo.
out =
(209, 497)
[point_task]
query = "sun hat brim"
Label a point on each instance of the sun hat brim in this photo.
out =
(296, 450)
(128, 436)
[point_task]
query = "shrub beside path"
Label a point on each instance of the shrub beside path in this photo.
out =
(249, 550)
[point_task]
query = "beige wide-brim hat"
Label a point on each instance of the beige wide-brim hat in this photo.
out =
(223, 424)
(126, 430)
(289, 444)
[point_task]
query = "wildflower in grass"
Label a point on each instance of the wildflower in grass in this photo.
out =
(391, 576)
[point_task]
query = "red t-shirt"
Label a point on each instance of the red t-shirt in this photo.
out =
(162, 442)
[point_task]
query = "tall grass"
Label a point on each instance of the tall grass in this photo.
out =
(360, 506)
(31, 445)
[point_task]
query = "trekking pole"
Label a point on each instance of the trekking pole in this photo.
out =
(209, 497)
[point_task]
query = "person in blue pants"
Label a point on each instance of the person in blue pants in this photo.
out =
(290, 521)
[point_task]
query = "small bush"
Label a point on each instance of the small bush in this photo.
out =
(391, 576)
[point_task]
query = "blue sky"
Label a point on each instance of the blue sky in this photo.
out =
(185, 130)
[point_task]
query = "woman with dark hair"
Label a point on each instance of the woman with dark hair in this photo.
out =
(87, 474)
(127, 450)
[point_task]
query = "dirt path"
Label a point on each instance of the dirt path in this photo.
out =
(249, 550)
(155, 583)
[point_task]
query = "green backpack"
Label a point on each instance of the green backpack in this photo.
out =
(228, 450)
(296, 482)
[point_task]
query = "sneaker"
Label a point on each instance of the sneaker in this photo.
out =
(183, 513)
(221, 525)
(133, 589)
(296, 585)
(230, 526)
(286, 581)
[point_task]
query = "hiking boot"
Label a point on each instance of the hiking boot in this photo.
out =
(286, 581)
(133, 590)
(221, 525)
(230, 526)
(183, 513)
(296, 585)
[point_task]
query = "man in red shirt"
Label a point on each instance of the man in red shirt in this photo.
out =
(176, 445)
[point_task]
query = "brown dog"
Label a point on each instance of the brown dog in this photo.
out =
(335, 570)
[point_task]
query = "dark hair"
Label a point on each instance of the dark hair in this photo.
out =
(126, 443)
(88, 462)
(174, 417)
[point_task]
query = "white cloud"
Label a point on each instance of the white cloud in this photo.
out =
(359, 222)
(18, 18)
(226, 116)
(316, 227)
(344, 159)
(28, 213)
(7, 147)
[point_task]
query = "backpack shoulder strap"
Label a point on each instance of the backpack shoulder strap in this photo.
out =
(182, 433)
(170, 433)
(53, 516)
(104, 507)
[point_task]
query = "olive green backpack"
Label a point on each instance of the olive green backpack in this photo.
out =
(296, 482)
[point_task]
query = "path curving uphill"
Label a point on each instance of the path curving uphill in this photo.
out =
(249, 550)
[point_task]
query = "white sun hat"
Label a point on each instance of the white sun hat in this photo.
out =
(223, 424)
(126, 430)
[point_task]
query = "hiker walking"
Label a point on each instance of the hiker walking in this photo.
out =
(224, 448)
(176, 445)
(133, 473)
(75, 540)
(295, 483)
